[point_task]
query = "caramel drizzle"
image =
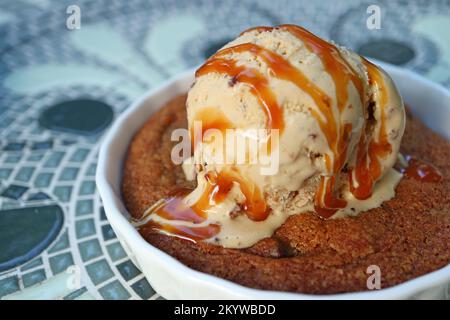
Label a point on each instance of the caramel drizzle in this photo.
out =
(338, 68)
(175, 208)
(189, 233)
(254, 205)
(341, 72)
(326, 203)
(370, 150)
(217, 188)
(421, 170)
(259, 86)
(337, 135)
(210, 118)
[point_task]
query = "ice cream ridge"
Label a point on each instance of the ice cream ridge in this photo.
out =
(329, 121)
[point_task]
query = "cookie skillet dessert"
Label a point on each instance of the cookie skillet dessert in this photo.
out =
(339, 201)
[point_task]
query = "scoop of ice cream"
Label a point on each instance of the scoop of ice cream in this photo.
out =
(333, 119)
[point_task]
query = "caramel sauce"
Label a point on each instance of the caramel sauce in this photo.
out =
(175, 209)
(341, 72)
(254, 204)
(325, 203)
(338, 68)
(259, 28)
(217, 188)
(368, 167)
(421, 171)
(367, 170)
(258, 83)
(189, 233)
(282, 69)
(210, 118)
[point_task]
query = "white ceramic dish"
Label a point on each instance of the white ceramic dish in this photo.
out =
(172, 279)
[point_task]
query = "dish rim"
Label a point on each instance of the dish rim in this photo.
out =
(113, 204)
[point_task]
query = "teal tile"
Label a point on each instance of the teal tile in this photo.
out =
(61, 262)
(143, 289)
(35, 157)
(9, 285)
(26, 121)
(87, 187)
(4, 173)
(24, 174)
(13, 158)
(75, 294)
(14, 191)
(114, 291)
(43, 180)
(68, 142)
(5, 121)
(91, 170)
(79, 155)
(23, 107)
(102, 214)
(13, 134)
(85, 228)
(42, 145)
(68, 174)
(38, 196)
(128, 270)
(108, 232)
(34, 277)
(60, 244)
(63, 193)
(116, 251)
(14, 146)
(32, 264)
(37, 130)
(99, 271)
(54, 159)
(90, 249)
(84, 207)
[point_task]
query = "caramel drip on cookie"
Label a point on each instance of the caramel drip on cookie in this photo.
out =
(185, 232)
(217, 188)
(421, 170)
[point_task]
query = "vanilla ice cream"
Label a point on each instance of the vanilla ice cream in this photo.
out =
(333, 119)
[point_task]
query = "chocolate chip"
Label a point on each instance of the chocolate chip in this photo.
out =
(315, 155)
(232, 81)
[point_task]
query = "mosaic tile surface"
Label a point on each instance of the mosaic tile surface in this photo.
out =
(61, 89)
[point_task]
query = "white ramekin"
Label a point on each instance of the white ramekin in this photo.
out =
(172, 279)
